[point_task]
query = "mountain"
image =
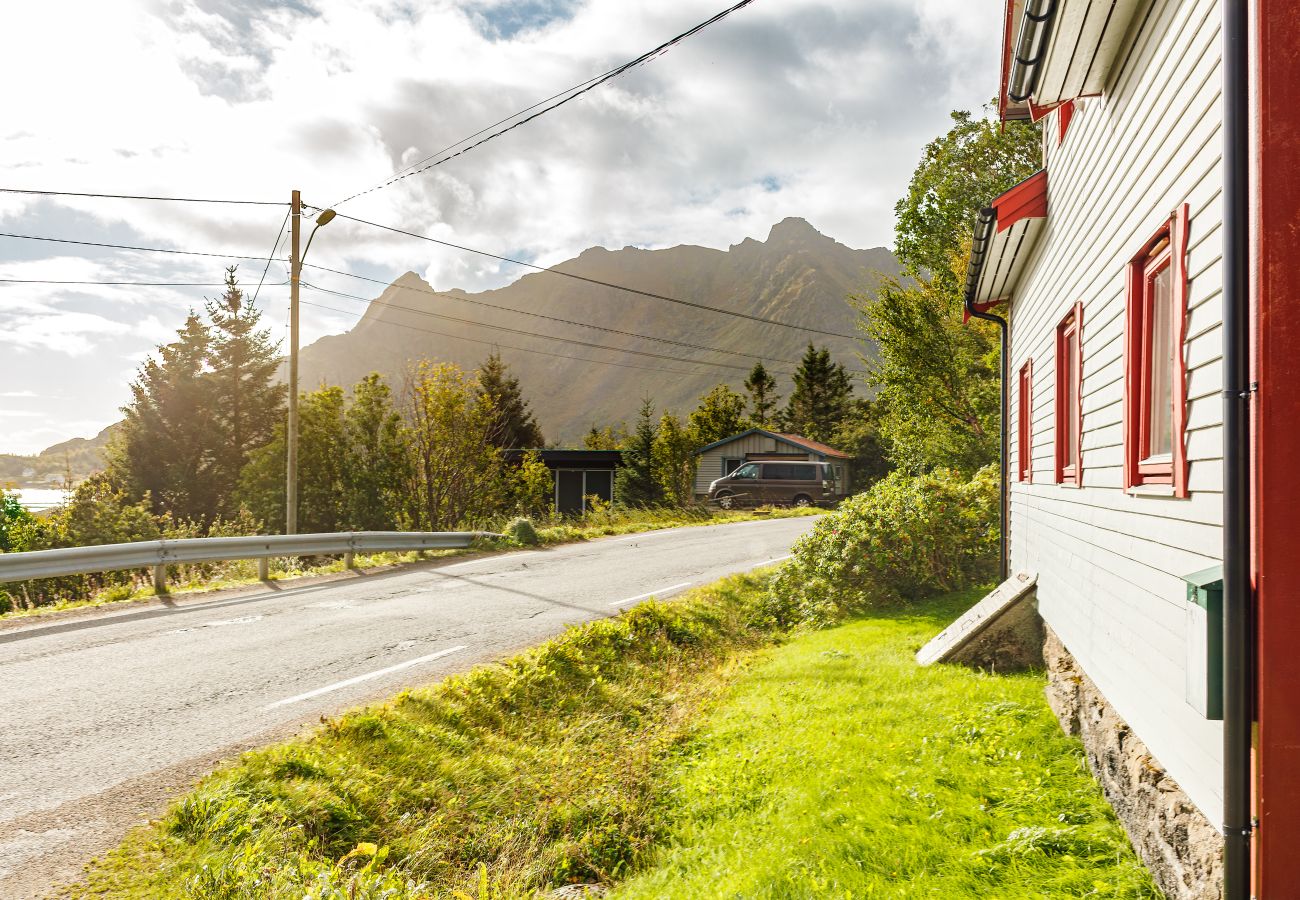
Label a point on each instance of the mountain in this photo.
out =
(797, 275)
(78, 458)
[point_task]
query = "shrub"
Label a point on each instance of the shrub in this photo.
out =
(908, 537)
(521, 531)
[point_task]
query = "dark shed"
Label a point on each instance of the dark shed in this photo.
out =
(578, 474)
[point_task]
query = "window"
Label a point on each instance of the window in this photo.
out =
(1024, 416)
(1069, 410)
(1155, 375)
(789, 472)
(730, 464)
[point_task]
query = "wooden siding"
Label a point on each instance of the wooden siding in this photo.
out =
(1109, 563)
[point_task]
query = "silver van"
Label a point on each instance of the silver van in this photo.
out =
(782, 483)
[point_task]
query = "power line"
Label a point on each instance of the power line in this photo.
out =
(142, 197)
(563, 321)
(459, 337)
(548, 337)
(117, 283)
(573, 93)
(32, 237)
(596, 281)
(278, 235)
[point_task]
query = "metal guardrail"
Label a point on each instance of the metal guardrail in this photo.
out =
(158, 555)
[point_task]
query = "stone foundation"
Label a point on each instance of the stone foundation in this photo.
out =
(1177, 843)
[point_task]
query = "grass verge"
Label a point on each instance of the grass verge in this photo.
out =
(535, 772)
(837, 767)
(243, 573)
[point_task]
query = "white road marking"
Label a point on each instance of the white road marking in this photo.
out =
(772, 561)
(339, 685)
(657, 593)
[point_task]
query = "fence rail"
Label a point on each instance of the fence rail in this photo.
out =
(158, 555)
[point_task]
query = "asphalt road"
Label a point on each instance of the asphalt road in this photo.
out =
(103, 717)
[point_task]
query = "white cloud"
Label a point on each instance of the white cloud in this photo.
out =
(815, 108)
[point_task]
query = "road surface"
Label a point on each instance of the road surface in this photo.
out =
(105, 716)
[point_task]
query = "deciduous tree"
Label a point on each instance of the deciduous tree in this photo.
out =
(377, 458)
(721, 413)
(673, 457)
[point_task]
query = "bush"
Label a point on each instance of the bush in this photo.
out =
(908, 537)
(521, 531)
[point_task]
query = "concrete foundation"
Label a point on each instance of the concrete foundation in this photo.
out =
(1177, 843)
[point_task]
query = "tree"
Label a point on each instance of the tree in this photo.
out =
(245, 402)
(673, 458)
(763, 397)
(636, 485)
(937, 378)
(721, 413)
(163, 449)
(13, 517)
(959, 173)
(611, 437)
(515, 426)
(376, 458)
(533, 486)
(821, 397)
(860, 435)
(456, 468)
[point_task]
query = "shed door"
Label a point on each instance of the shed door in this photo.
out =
(600, 484)
(568, 491)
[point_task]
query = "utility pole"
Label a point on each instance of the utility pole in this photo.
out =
(291, 464)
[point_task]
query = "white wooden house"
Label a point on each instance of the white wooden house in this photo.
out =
(1147, 281)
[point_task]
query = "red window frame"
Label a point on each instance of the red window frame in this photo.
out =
(1024, 423)
(1166, 248)
(1069, 398)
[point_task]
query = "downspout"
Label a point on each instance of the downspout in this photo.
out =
(1238, 595)
(979, 248)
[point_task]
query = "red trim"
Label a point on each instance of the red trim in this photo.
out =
(1147, 263)
(981, 306)
(1276, 426)
(1069, 398)
(1037, 113)
(1027, 200)
(1024, 423)
(1065, 113)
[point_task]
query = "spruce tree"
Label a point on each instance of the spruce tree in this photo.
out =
(376, 457)
(162, 449)
(515, 425)
(763, 397)
(821, 398)
(636, 485)
(245, 401)
(674, 461)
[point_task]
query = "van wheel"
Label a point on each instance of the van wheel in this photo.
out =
(802, 501)
(725, 500)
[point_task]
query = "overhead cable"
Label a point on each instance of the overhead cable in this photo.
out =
(572, 94)
(142, 197)
(32, 237)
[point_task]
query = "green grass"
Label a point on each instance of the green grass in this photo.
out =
(836, 767)
(535, 772)
(243, 573)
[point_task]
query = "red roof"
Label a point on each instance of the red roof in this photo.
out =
(815, 446)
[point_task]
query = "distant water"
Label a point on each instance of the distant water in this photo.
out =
(40, 499)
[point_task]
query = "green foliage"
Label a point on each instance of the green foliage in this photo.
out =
(533, 486)
(611, 437)
(515, 426)
(959, 173)
(908, 537)
(13, 516)
(720, 414)
(522, 531)
(376, 457)
(837, 768)
(673, 458)
(937, 378)
(822, 396)
(763, 398)
(860, 436)
(635, 484)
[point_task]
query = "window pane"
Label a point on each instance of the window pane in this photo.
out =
(1071, 411)
(1160, 425)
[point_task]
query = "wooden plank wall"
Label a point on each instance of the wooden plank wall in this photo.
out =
(1109, 563)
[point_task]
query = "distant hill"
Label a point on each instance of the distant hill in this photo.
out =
(797, 275)
(79, 457)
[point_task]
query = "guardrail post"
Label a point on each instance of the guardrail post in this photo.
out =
(160, 579)
(349, 560)
(264, 569)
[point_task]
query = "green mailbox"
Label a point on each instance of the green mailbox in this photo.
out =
(1205, 641)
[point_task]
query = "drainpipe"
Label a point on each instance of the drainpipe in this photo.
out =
(983, 233)
(1238, 595)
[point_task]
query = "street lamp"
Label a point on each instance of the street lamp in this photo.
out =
(295, 273)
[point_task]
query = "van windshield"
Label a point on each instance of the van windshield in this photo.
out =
(750, 470)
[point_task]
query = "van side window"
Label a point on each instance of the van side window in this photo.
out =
(749, 470)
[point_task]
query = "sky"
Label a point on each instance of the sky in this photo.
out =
(811, 108)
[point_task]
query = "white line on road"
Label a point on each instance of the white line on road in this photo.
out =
(657, 593)
(769, 562)
(360, 678)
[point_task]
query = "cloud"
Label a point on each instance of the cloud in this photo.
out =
(813, 108)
